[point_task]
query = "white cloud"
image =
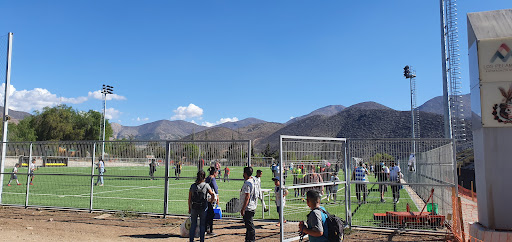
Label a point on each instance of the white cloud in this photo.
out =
(191, 111)
(207, 124)
(222, 120)
(35, 99)
(292, 117)
(112, 113)
(193, 121)
(98, 95)
(142, 119)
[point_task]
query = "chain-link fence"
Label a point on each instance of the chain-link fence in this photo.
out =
(389, 183)
(147, 177)
(358, 178)
(401, 183)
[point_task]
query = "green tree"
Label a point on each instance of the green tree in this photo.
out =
(381, 157)
(64, 123)
(22, 131)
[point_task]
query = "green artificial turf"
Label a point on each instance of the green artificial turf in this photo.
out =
(72, 188)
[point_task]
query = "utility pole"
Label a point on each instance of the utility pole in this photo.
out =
(6, 111)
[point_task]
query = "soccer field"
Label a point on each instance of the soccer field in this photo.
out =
(131, 189)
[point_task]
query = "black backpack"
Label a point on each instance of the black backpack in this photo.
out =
(198, 198)
(335, 227)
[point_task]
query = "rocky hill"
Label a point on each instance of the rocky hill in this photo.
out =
(362, 120)
(435, 105)
(158, 130)
(254, 132)
(16, 116)
(360, 123)
(325, 111)
(241, 123)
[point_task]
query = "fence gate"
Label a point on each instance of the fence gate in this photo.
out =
(418, 199)
(310, 163)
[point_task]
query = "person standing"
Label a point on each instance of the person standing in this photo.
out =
(217, 166)
(152, 168)
(274, 169)
(382, 174)
(359, 175)
(197, 204)
(14, 175)
(257, 185)
(297, 174)
(212, 182)
(334, 188)
(316, 178)
(248, 198)
(101, 170)
(277, 189)
(32, 168)
(226, 174)
(395, 175)
(178, 170)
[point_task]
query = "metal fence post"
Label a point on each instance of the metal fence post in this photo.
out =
(28, 175)
(92, 177)
(249, 154)
(166, 179)
(347, 184)
(455, 175)
(281, 178)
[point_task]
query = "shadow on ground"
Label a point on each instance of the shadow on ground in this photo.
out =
(151, 236)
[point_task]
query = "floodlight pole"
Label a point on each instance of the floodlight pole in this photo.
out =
(105, 90)
(410, 74)
(6, 111)
(104, 123)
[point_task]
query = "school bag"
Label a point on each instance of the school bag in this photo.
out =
(198, 198)
(335, 227)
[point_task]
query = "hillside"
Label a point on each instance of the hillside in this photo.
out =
(15, 115)
(240, 124)
(325, 111)
(435, 105)
(158, 130)
(360, 123)
(254, 132)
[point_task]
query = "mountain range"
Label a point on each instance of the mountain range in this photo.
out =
(362, 120)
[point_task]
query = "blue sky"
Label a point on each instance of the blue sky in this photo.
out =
(215, 61)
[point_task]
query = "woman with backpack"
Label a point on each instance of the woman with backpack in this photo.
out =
(210, 214)
(197, 204)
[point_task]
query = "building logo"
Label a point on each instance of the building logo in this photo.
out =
(503, 112)
(503, 53)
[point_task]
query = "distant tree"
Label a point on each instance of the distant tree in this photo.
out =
(64, 123)
(381, 157)
(90, 125)
(267, 152)
(22, 131)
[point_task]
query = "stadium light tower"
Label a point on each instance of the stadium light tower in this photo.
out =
(411, 74)
(105, 90)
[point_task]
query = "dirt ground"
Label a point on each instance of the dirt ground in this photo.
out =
(19, 224)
